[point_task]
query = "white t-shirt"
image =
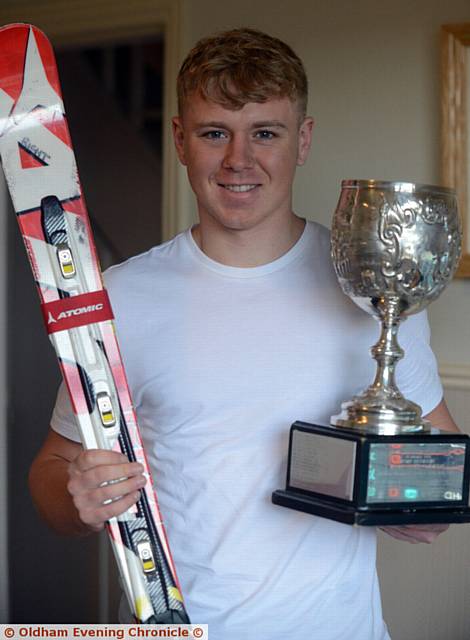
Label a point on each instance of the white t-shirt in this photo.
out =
(220, 361)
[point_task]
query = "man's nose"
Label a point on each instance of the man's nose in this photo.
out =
(238, 154)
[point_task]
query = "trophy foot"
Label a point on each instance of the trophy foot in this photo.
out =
(381, 418)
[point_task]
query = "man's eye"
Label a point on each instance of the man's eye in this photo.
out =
(214, 135)
(265, 134)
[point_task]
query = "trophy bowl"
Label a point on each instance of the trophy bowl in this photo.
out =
(395, 246)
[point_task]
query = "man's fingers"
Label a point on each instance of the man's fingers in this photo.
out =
(103, 484)
(399, 534)
(106, 473)
(109, 492)
(95, 518)
(434, 528)
(426, 533)
(96, 457)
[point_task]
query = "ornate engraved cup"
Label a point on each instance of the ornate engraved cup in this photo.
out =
(395, 246)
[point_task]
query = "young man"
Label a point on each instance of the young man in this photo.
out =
(245, 331)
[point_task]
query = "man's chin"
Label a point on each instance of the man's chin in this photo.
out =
(239, 225)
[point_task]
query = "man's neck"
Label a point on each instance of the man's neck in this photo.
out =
(248, 247)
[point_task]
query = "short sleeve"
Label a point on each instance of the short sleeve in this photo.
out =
(417, 373)
(63, 419)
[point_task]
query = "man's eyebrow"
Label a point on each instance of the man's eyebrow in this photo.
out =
(269, 123)
(256, 125)
(210, 123)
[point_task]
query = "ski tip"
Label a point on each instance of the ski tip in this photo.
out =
(21, 25)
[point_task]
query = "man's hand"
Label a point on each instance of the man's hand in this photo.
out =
(103, 484)
(427, 533)
(415, 533)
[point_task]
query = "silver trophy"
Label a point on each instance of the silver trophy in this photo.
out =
(395, 246)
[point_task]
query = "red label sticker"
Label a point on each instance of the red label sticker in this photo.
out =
(77, 311)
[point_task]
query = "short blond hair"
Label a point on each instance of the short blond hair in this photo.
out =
(242, 65)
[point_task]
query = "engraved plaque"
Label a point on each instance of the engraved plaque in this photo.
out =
(322, 465)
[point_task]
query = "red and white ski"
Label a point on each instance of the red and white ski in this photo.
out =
(40, 169)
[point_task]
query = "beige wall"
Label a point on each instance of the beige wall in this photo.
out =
(374, 93)
(374, 76)
(373, 68)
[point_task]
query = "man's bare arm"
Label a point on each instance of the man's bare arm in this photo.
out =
(441, 418)
(70, 489)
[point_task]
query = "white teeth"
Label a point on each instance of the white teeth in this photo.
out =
(239, 188)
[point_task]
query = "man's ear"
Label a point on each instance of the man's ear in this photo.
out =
(304, 140)
(178, 137)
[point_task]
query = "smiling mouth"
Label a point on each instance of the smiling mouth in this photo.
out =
(239, 188)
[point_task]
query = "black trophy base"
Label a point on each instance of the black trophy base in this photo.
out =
(376, 480)
(347, 514)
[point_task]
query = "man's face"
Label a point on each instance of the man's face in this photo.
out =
(241, 164)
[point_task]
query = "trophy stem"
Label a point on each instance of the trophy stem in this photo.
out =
(382, 408)
(387, 352)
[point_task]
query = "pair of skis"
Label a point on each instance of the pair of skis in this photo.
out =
(39, 165)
